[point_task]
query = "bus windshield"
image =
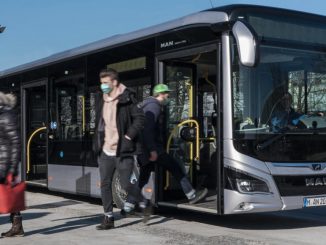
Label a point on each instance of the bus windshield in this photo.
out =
(279, 106)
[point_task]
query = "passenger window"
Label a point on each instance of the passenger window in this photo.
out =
(209, 112)
(92, 99)
(70, 113)
(142, 91)
(91, 103)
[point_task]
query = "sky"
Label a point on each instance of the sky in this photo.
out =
(38, 28)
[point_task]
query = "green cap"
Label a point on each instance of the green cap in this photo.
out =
(161, 88)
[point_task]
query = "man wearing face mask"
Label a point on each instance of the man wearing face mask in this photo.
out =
(116, 141)
(154, 150)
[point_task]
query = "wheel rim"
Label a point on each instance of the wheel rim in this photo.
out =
(121, 193)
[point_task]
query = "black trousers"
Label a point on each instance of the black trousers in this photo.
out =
(169, 163)
(107, 165)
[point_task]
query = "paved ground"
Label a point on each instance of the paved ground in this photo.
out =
(57, 220)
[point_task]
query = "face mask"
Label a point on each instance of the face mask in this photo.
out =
(166, 101)
(106, 89)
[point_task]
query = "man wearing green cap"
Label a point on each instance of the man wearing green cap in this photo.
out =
(154, 150)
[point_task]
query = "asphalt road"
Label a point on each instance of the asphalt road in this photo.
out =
(53, 219)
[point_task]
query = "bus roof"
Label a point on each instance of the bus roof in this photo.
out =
(205, 17)
(234, 9)
(210, 16)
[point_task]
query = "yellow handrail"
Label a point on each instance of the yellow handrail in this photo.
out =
(170, 139)
(29, 145)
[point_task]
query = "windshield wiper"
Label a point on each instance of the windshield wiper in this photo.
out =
(314, 131)
(271, 140)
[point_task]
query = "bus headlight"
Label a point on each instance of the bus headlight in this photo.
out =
(251, 185)
(244, 182)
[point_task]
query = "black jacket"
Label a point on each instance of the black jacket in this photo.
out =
(130, 121)
(9, 143)
(152, 134)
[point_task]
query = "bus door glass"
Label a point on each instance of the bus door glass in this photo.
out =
(67, 131)
(191, 121)
(179, 78)
(34, 143)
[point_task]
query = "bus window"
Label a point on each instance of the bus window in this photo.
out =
(142, 91)
(35, 118)
(70, 113)
(179, 79)
(67, 120)
(207, 116)
(91, 111)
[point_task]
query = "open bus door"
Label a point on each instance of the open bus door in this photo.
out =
(34, 133)
(191, 122)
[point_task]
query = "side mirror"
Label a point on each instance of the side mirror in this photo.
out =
(247, 43)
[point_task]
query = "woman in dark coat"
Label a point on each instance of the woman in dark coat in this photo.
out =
(9, 153)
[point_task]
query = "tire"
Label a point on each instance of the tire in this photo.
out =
(119, 195)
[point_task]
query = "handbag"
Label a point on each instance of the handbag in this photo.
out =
(12, 197)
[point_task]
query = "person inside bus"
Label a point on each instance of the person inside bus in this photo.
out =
(154, 150)
(10, 154)
(286, 117)
(118, 123)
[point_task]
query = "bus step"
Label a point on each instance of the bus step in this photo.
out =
(38, 183)
(39, 168)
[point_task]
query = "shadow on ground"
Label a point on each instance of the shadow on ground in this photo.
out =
(293, 219)
(4, 219)
(70, 224)
(302, 218)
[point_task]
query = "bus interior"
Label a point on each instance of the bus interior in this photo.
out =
(193, 81)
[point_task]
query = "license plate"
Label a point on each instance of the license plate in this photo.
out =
(314, 201)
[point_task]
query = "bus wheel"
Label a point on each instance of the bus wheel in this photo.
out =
(119, 195)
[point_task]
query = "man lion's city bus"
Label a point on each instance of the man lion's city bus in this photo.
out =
(228, 68)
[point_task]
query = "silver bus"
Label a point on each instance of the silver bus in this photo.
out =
(228, 123)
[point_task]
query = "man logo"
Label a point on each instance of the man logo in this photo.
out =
(167, 44)
(321, 181)
(316, 167)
